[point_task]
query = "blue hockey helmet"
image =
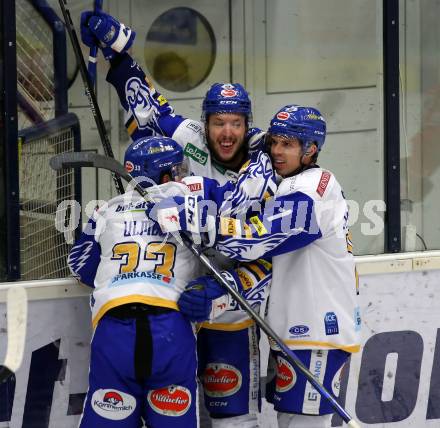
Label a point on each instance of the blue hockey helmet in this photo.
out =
(155, 160)
(304, 123)
(227, 98)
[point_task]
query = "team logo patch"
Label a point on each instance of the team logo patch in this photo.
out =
(286, 376)
(228, 93)
(323, 182)
(221, 380)
(193, 152)
(173, 400)
(129, 167)
(113, 404)
(331, 323)
(283, 115)
(299, 330)
(194, 187)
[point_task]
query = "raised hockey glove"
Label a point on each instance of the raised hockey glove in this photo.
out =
(200, 297)
(101, 29)
(255, 139)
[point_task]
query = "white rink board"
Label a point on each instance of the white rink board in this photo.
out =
(394, 378)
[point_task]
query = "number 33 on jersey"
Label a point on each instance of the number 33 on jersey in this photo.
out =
(141, 265)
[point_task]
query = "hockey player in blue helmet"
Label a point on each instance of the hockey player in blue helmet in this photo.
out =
(295, 136)
(215, 147)
(143, 349)
(226, 113)
(304, 229)
(155, 160)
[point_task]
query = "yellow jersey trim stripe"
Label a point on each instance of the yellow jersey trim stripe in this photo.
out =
(256, 270)
(131, 127)
(228, 327)
(323, 345)
(134, 298)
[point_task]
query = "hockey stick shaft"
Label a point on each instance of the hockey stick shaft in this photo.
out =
(89, 90)
(16, 319)
(93, 53)
(79, 160)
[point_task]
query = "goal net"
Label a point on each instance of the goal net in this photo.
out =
(45, 129)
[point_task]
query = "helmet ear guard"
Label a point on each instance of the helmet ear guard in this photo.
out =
(154, 160)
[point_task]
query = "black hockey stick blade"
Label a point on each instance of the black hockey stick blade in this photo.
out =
(16, 315)
(88, 159)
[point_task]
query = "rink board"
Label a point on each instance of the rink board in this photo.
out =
(394, 382)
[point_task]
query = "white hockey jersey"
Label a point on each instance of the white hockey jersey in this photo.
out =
(126, 258)
(313, 297)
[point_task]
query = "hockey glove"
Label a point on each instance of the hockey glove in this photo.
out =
(200, 297)
(105, 31)
(186, 213)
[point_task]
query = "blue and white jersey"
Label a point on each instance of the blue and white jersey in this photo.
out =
(313, 297)
(149, 113)
(126, 258)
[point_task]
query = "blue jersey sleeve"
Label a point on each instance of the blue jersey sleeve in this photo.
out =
(147, 111)
(279, 225)
(85, 255)
(252, 280)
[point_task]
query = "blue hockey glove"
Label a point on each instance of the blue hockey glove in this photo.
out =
(255, 139)
(195, 302)
(98, 28)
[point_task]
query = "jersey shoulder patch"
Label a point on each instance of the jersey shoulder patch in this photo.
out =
(314, 182)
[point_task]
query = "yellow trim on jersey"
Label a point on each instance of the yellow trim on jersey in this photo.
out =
(323, 345)
(134, 298)
(259, 226)
(247, 230)
(228, 327)
(162, 100)
(256, 270)
(132, 127)
(265, 263)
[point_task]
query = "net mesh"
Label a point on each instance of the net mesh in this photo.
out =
(35, 72)
(43, 249)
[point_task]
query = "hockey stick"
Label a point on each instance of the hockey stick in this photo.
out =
(89, 90)
(93, 53)
(16, 319)
(79, 160)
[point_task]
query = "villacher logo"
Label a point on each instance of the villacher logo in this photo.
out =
(173, 400)
(221, 380)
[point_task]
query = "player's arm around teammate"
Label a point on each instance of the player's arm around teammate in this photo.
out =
(216, 147)
(143, 360)
(313, 298)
